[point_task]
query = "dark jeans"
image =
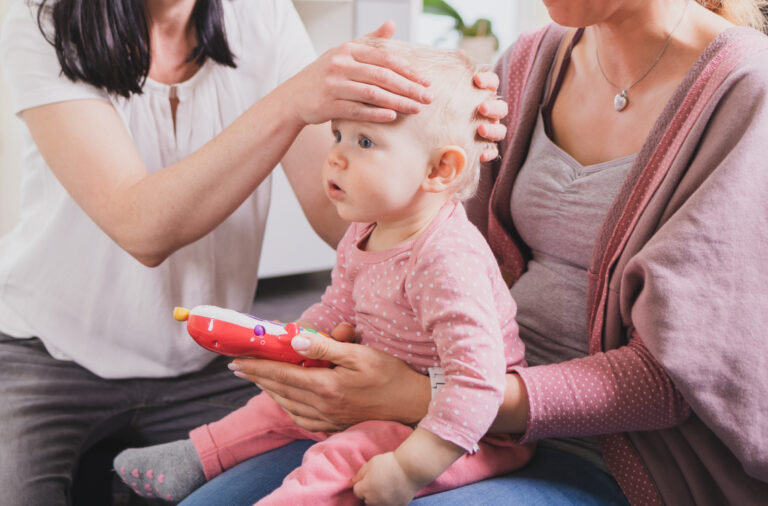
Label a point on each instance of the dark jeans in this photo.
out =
(52, 411)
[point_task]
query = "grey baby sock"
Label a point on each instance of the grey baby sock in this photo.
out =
(169, 471)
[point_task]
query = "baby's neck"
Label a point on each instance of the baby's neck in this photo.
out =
(388, 234)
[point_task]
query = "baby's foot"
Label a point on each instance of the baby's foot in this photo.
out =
(168, 471)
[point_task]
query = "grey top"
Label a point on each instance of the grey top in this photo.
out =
(557, 207)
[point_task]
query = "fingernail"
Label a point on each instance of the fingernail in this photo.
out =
(240, 374)
(300, 343)
(234, 367)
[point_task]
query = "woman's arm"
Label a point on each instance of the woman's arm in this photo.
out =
(89, 150)
(620, 390)
(617, 391)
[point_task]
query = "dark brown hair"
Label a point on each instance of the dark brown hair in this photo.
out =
(106, 42)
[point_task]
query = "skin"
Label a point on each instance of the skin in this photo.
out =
(152, 215)
(368, 384)
(628, 36)
(376, 173)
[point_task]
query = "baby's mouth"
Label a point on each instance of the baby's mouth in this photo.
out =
(333, 190)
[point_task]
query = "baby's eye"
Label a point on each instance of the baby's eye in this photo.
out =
(365, 142)
(337, 136)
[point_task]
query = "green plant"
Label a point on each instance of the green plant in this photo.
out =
(481, 27)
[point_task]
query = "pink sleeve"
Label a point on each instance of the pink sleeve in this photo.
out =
(454, 299)
(620, 390)
(336, 304)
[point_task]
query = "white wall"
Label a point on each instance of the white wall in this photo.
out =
(10, 152)
(509, 18)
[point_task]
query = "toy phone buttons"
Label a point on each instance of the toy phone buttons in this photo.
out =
(259, 330)
(180, 313)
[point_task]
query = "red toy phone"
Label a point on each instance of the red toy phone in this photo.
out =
(237, 334)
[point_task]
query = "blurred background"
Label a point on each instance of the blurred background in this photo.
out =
(472, 24)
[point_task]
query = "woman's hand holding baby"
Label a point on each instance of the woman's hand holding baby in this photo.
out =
(368, 384)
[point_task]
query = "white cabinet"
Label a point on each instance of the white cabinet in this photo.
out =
(290, 244)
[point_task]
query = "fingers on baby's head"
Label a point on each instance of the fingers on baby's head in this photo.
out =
(452, 116)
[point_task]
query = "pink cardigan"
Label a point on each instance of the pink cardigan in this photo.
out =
(677, 381)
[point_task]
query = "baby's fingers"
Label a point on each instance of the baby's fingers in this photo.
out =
(360, 474)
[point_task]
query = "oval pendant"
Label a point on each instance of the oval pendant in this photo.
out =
(620, 101)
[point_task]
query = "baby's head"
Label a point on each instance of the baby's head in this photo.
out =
(451, 118)
(378, 172)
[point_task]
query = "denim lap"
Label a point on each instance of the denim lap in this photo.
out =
(552, 478)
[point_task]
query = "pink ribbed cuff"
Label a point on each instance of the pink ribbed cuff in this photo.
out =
(206, 449)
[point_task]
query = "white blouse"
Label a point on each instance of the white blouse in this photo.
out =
(63, 279)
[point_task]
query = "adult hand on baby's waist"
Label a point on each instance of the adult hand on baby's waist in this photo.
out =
(366, 384)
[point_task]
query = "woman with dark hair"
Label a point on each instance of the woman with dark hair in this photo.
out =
(152, 128)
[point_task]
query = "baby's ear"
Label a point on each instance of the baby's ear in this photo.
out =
(445, 167)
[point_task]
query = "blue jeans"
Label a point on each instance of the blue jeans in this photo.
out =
(553, 477)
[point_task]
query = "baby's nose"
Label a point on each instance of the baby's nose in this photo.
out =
(337, 159)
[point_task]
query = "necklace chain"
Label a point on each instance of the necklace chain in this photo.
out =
(621, 99)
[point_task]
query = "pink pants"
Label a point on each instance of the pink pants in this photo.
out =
(325, 474)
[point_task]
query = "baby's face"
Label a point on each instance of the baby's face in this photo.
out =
(374, 171)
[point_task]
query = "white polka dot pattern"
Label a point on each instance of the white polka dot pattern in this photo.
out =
(438, 301)
(620, 390)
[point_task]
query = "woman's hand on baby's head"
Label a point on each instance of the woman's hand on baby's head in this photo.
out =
(493, 110)
(359, 82)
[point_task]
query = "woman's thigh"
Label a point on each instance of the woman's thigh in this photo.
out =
(552, 477)
(48, 410)
(251, 480)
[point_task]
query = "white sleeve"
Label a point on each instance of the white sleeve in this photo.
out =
(30, 65)
(295, 48)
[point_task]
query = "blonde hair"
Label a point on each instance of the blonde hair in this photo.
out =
(739, 12)
(451, 118)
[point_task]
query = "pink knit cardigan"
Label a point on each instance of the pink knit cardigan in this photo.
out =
(676, 384)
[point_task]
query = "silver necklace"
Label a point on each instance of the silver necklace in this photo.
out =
(621, 99)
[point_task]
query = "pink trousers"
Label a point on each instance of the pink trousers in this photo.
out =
(325, 474)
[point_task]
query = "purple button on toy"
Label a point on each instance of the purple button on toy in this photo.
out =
(259, 330)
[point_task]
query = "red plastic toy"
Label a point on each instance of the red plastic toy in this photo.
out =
(237, 334)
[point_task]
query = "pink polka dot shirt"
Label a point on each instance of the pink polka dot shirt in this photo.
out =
(437, 301)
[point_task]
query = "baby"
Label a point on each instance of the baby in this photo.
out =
(417, 280)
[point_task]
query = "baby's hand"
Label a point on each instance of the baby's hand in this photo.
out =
(382, 481)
